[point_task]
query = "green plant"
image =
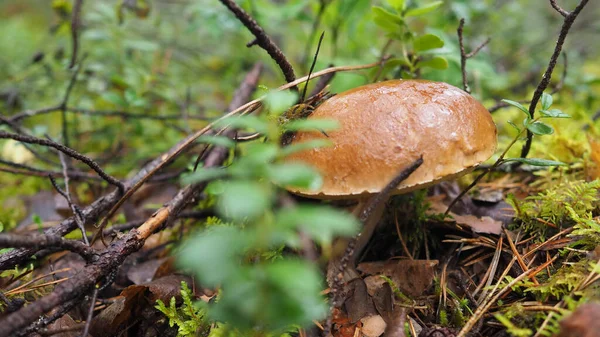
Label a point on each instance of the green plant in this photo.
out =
(564, 203)
(263, 288)
(188, 317)
(414, 47)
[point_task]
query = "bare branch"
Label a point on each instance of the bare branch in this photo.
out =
(68, 151)
(562, 12)
(262, 39)
(465, 56)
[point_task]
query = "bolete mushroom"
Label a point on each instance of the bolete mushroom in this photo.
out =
(386, 126)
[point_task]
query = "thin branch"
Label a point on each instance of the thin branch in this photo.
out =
(29, 113)
(40, 241)
(66, 150)
(312, 67)
(70, 86)
(126, 115)
(568, 22)
(465, 56)
(75, 25)
(562, 12)
(262, 39)
(90, 315)
(29, 170)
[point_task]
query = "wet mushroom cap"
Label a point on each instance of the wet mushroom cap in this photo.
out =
(386, 126)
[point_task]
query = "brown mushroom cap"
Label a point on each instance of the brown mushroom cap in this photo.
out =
(386, 126)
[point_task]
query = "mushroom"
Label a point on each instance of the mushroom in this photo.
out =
(386, 126)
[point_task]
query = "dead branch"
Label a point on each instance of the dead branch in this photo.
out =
(66, 150)
(262, 39)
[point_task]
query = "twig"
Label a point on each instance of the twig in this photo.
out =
(568, 22)
(70, 86)
(125, 114)
(262, 39)
(66, 150)
(28, 113)
(67, 195)
(312, 67)
(75, 25)
(313, 31)
(88, 321)
(39, 241)
(464, 56)
(322, 83)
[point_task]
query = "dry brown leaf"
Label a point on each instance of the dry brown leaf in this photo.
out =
(412, 277)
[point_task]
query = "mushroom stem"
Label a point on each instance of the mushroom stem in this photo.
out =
(370, 219)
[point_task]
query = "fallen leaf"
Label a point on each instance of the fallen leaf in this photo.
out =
(412, 277)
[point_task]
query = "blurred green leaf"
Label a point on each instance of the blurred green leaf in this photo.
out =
(142, 45)
(279, 101)
(213, 254)
(546, 101)
(540, 129)
(312, 124)
(114, 98)
(427, 42)
(424, 9)
(203, 174)
(217, 140)
(320, 222)
(397, 4)
(299, 147)
(272, 295)
(390, 22)
(295, 175)
(244, 122)
(536, 161)
(437, 62)
(243, 199)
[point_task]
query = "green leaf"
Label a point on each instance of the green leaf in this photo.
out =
(273, 296)
(546, 101)
(114, 98)
(279, 101)
(536, 161)
(320, 222)
(540, 129)
(243, 200)
(311, 144)
(244, 122)
(424, 9)
(515, 126)
(398, 5)
(312, 124)
(437, 62)
(427, 42)
(296, 175)
(518, 105)
(390, 22)
(141, 45)
(203, 174)
(217, 140)
(130, 95)
(213, 254)
(554, 113)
